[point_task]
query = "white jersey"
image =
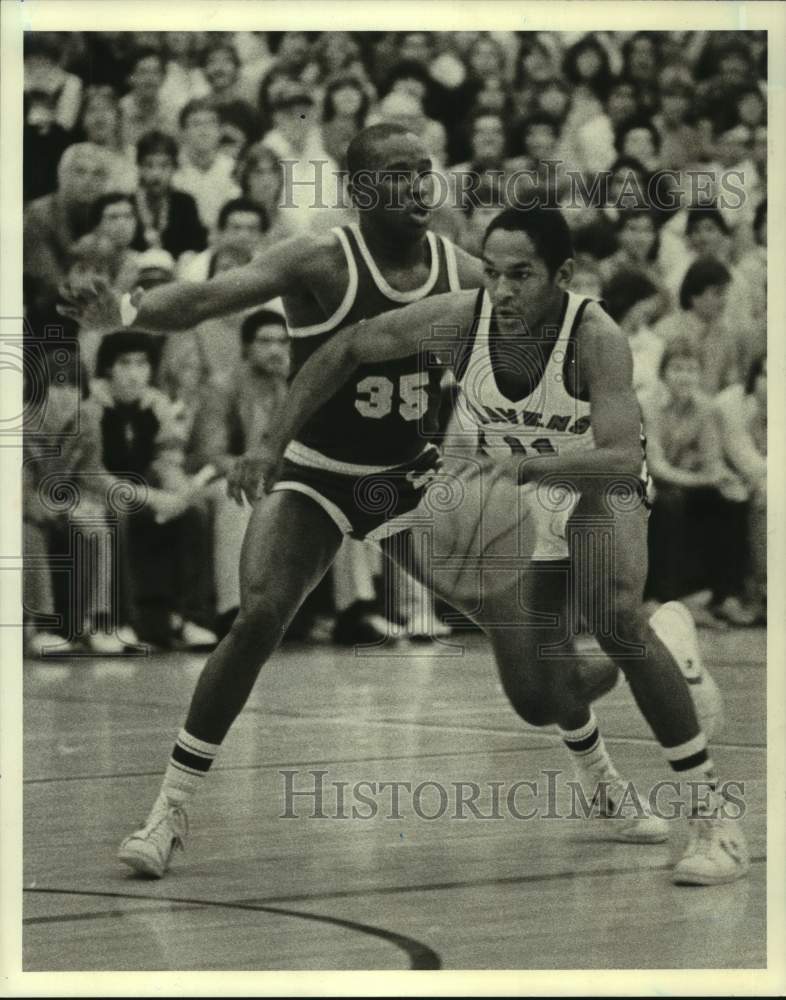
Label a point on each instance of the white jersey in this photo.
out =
(548, 421)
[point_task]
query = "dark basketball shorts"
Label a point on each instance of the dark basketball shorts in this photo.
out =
(475, 527)
(364, 502)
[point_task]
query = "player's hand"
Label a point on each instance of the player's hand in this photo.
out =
(92, 303)
(254, 474)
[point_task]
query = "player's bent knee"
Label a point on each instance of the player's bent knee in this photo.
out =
(261, 623)
(629, 628)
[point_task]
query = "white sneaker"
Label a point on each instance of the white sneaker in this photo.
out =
(716, 852)
(624, 815)
(674, 626)
(149, 850)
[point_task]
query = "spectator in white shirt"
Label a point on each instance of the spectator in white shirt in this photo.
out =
(205, 172)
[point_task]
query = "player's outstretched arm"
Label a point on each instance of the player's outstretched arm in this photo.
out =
(605, 368)
(433, 324)
(180, 305)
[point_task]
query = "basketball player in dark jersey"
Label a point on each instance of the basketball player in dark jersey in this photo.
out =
(366, 442)
(546, 389)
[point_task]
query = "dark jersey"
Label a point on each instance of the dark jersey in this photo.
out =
(380, 417)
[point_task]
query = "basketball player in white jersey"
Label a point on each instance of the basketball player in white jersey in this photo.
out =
(546, 389)
(369, 432)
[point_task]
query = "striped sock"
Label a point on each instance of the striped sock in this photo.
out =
(692, 763)
(190, 761)
(586, 745)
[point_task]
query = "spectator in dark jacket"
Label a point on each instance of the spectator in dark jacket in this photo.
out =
(168, 218)
(165, 561)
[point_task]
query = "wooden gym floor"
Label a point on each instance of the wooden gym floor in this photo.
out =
(256, 891)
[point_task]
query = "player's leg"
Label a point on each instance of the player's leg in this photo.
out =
(538, 666)
(716, 851)
(547, 682)
(289, 544)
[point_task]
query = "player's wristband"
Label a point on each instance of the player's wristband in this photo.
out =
(128, 311)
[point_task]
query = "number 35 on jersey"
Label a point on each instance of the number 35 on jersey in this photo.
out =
(378, 396)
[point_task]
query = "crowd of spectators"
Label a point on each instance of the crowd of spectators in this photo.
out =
(159, 156)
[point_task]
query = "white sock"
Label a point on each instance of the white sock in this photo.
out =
(190, 761)
(586, 746)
